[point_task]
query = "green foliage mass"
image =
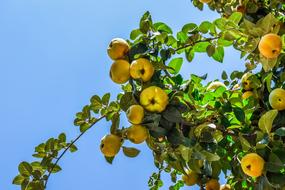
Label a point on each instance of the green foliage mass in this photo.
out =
(216, 127)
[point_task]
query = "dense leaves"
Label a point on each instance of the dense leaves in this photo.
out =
(207, 126)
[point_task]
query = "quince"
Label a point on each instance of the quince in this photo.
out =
(141, 69)
(246, 82)
(137, 134)
(213, 184)
(277, 99)
(154, 99)
(247, 94)
(270, 46)
(135, 114)
(118, 48)
(252, 164)
(110, 145)
(120, 71)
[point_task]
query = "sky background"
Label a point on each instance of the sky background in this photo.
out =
(53, 59)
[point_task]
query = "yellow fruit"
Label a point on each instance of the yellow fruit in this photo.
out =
(205, 1)
(135, 114)
(154, 99)
(247, 94)
(118, 48)
(270, 46)
(191, 178)
(277, 99)
(225, 187)
(214, 85)
(137, 134)
(120, 71)
(141, 69)
(110, 145)
(213, 184)
(246, 82)
(252, 165)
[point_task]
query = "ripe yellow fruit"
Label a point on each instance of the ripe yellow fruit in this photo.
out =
(191, 178)
(118, 48)
(141, 69)
(247, 94)
(270, 46)
(252, 164)
(213, 184)
(214, 85)
(205, 1)
(154, 99)
(246, 82)
(135, 114)
(120, 71)
(137, 134)
(110, 145)
(225, 187)
(277, 99)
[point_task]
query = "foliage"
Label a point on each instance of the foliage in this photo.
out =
(216, 127)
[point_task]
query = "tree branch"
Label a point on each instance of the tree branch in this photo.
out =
(191, 44)
(68, 147)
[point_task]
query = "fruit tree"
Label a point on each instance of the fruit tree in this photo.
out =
(196, 130)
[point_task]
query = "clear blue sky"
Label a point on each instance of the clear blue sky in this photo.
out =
(53, 59)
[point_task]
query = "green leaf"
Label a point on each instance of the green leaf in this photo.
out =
(18, 180)
(224, 75)
(135, 33)
(189, 54)
(84, 127)
(244, 143)
(109, 159)
(130, 151)
(106, 98)
(235, 17)
(175, 64)
(210, 156)
(266, 121)
(201, 46)
(190, 27)
(55, 168)
(239, 113)
(25, 169)
(62, 137)
(210, 50)
(145, 22)
(160, 26)
(73, 148)
(204, 27)
(127, 100)
(182, 36)
(280, 131)
(219, 54)
(267, 64)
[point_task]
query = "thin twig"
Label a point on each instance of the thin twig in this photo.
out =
(68, 147)
(190, 44)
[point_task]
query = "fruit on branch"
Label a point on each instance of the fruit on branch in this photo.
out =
(141, 69)
(191, 178)
(277, 99)
(214, 85)
(154, 99)
(110, 145)
(118, 48)
(213, 184)
(225, 187)
(247, 94)
(252, 165)
(135, 114)
(120, 71)
(246, 83)
(137, 134)
(270, 46)
(205, 1)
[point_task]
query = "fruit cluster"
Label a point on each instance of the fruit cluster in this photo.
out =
(152, 98)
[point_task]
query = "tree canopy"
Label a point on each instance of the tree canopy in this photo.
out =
(196, 130)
